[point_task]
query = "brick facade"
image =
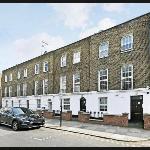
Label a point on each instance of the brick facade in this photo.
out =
(139, 56)
(147, 121)
(117, 120)
(83, 117)
(90, 62)
(70, 68)
(31, 76)
(67, 115)
(48, 115)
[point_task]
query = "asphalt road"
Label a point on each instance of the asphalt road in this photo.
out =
(45, 137)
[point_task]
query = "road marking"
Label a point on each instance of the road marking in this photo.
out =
(37, 139)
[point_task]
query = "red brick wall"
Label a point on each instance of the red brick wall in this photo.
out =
(67, 115)
(147, 121)
(118, 120)
(83, 117)
(48, 115)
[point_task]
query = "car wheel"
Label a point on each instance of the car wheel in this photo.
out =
(15, 126)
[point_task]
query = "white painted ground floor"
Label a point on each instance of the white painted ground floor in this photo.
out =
(98, 103)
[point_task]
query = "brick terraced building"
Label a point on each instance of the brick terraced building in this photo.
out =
(108, 72)
(0, 92)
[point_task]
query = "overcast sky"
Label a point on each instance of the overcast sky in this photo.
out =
(23, 26)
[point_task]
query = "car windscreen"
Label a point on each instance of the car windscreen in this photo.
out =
(27, 111)
(18, 111)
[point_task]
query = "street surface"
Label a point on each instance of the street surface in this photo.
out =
(45, 137)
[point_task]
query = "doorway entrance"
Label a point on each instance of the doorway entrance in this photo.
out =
(83, 104)
(136, 108)
(49, 105)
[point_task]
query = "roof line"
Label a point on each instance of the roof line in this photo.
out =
(146, 14)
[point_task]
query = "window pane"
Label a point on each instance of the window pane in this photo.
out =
(66, 104)
(127, 42)
(103, 104)
(127, 77)
(103, 49)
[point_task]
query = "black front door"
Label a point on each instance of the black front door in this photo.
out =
(83, 104)
(136, 108)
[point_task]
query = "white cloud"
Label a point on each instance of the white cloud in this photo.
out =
(74, 15)
(102, 25)
(117, 7)
(106, 23)
(31, 47)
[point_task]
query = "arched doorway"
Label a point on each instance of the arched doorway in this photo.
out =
(83, 104)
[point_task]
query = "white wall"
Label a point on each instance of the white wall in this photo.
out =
(118, 101)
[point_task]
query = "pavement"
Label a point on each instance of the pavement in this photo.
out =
(126, 134)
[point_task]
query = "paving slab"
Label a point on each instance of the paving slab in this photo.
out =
(97, 133)
(114, 132)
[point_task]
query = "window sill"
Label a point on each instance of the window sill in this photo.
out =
(62, 66)
(125, 51)
(76, 92)
(126, 90)
(76, 63)
(103, 91)
(103, 57)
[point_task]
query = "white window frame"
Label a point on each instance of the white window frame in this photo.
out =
(10, 91)
(5, 91)
(18, 89)
(25, 72)
(63, 60)
(63, 84)
(122, 78)
(125, 41)
(6, 78)
(103, 49)
(10, 77)
(66, 104)
(75, 85)
(76, 57)
(36, 87)
(45, 66)
(18, 75)
(45, 86)
(38, 103)
(24, 89)
(37, 68)
(99, 80)
(105, 105)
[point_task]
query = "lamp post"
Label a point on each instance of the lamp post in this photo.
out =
(60, 96)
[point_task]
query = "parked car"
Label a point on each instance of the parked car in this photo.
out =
(20, 117)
